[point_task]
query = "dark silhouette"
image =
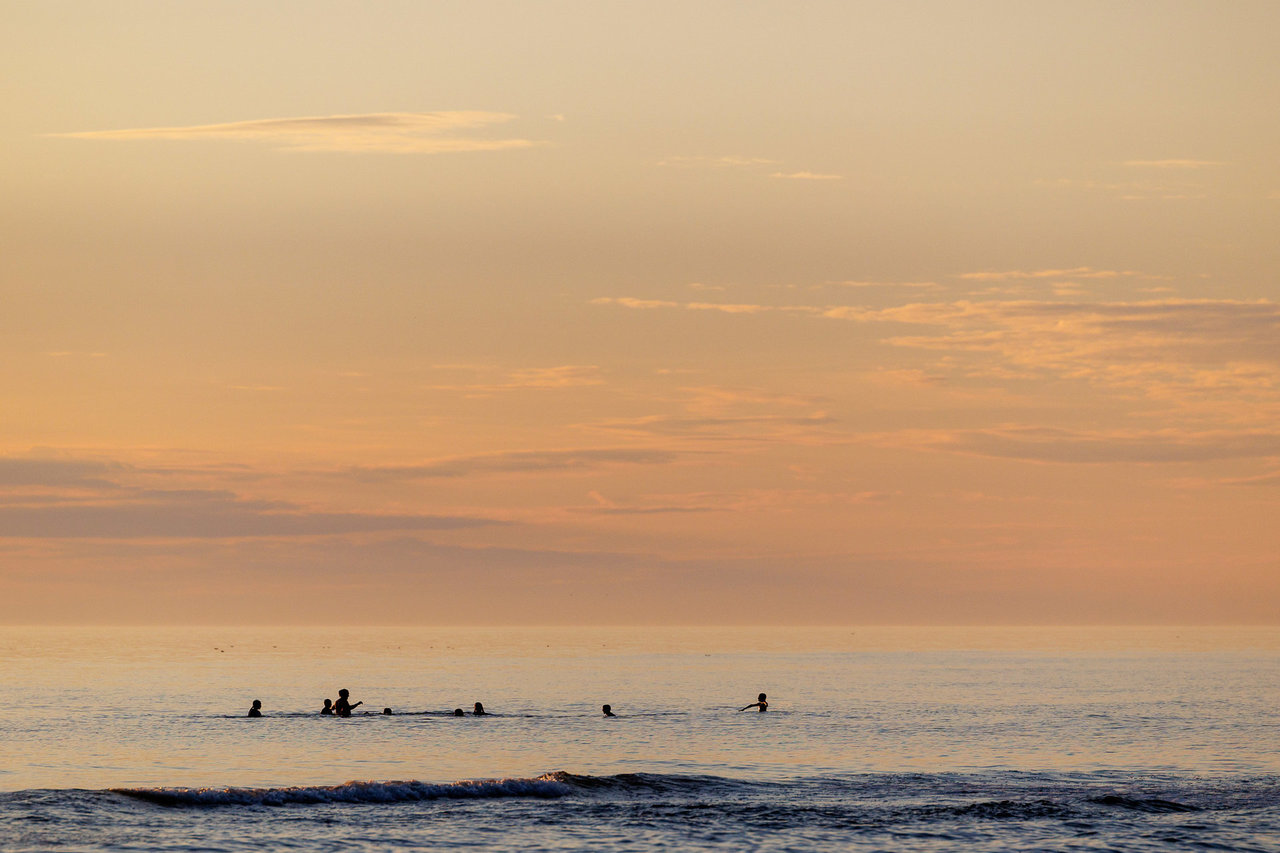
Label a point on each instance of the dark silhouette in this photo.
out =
(256, 710)
(342, 707)
(457, 712)
(479, 710)
(327, 710)
(386, 712)
(760, 703)
(608, 711)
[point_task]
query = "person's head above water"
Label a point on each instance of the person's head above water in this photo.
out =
(328, 703)
(479, 709)
(257, 703)
(608, 711)
(386, 712)
(761, 698)
(344, 693)
(458, 712)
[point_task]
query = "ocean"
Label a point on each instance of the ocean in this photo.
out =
(133, 739)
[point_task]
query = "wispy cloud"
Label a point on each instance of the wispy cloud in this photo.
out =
(719, 307)
(889, 285)
(807, 176)
(750, 500)
(1174, 164)
(533, 378)
(722, 428)
(402, 133)
(1049, 444)
(1218, 357)
(1071, 273)
(201, 514)
(520, 461)
(56, 473)
(1271, 478)
(729, 308)
(629, 302)
(719, 398)
(604, 506)
(1180, 351)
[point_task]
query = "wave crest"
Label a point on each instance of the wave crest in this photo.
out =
(547, 786)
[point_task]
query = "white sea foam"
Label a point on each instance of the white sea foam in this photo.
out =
(547, 786)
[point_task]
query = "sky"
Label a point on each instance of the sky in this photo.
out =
(619, 313)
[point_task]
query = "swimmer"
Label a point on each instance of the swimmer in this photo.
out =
(608, 711)
(256, 710)
(386, 712)
(479, 711)
(458, 712)
(343, 707)
(327, 710)
(760, 703)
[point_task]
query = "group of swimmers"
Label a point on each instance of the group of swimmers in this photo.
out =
(343, 707)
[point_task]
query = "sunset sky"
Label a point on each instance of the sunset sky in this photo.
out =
(666, 312)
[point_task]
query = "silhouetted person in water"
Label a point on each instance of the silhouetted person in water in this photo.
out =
(479, 711)
(457, 712)
(608, 711)
(386, 712)
(327, 710)
(761, 703)
(343, 707)
(256, 710)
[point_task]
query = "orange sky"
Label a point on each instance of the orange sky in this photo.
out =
(614, 313)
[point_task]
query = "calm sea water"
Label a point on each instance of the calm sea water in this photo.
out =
(876, 739)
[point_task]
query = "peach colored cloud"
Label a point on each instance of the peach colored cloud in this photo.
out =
(518, 461)
(400, 133)
(1053, 444)
(1073, 273)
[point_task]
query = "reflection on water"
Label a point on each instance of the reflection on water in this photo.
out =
(99, 708)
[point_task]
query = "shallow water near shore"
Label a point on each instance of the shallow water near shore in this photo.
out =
(876, 738)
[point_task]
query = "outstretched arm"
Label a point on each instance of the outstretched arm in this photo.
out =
(752, 705)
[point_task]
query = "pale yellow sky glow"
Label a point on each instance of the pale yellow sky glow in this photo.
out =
(592, 312)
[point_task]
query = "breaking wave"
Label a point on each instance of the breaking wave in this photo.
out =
(548, 786)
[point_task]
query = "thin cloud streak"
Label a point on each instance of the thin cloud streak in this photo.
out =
(60, 473)
(1075, 272)
(535, 378)
(400, 133)
(1174, 164)
(213, 516)
(719, 307)
(727, 428)
(525, 461)
(1050, 444)
(807, 176)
